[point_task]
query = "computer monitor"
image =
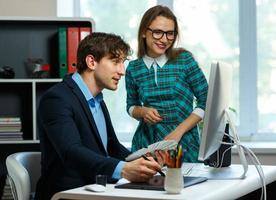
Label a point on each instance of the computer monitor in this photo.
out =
(218, 99)
(215, 119)
(217, 115)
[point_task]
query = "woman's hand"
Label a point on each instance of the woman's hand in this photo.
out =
(151, 115)
(183, 128)
(174, 136)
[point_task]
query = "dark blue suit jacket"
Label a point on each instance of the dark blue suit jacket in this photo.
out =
(72, 150)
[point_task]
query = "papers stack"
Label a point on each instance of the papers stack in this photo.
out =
(162, 145)
(10, 128)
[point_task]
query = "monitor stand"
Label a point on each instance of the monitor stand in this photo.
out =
(222, 157)
(224, 173)
(237, 142)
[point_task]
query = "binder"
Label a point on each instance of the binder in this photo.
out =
(72, 46)
(84, 31)
(62, 51)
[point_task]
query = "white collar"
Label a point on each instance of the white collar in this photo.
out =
(161, 60)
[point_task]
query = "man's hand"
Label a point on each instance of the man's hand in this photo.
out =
(160, 156)
(140, 170)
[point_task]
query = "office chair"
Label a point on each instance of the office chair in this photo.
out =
(23, 173)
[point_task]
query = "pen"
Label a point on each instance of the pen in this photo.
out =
(160, 172)
(178, 159)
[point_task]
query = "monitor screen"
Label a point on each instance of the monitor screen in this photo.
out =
(218, 99)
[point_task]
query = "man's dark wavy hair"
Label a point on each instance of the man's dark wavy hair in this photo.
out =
(100, 45)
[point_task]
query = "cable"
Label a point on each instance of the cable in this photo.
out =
(242, 149)
(257, 165)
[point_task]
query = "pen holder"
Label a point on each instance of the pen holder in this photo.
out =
(174, 181)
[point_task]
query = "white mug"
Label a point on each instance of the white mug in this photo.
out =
(174, 182)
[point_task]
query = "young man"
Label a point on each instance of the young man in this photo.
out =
(77, 139)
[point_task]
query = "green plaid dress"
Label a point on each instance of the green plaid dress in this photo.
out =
(179, 81)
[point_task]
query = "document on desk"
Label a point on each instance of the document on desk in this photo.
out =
(122, 181)
(162, 145)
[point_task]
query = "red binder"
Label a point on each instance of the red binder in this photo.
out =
(72, 46)
(84, 31)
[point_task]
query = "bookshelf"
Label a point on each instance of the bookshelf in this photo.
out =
(20, 39)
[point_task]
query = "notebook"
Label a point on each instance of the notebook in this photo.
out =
(157, 183)
(161, 145)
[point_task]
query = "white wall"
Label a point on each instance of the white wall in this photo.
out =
(28, 8)
(265, 151)
(265, 159)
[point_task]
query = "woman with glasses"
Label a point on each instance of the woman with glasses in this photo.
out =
(162, 84)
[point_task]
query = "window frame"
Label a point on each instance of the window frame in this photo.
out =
(248, 68)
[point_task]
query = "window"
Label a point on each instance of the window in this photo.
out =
(122, 18)
(266, 79)
(205, 33)
(239, 32)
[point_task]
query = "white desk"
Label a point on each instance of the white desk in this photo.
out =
(209, 190)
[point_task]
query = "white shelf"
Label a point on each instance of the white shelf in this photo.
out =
(20, 142)
(24, 80)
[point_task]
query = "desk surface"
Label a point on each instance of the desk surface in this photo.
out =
(211, 189)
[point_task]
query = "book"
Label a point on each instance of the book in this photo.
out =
(10, 122)
(162, 145)
(9, 119)
(7, 191)
(6, 136)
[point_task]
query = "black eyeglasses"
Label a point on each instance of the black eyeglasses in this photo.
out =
(158, 34)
